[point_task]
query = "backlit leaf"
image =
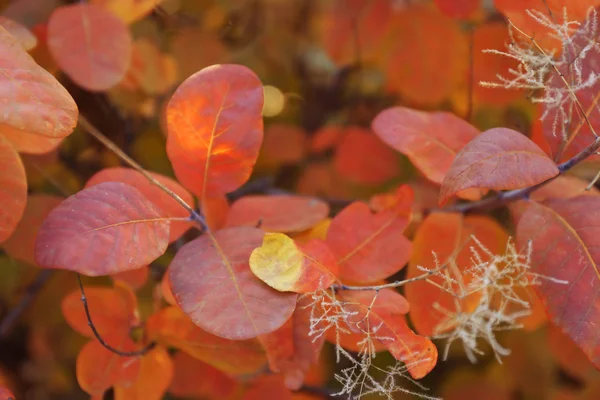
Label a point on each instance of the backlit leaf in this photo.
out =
(215, 127)
(98, 368)
(363, 158)
(171, 327)
(430, 140)
(186, 383)
(150, 70)
(113, 309)
(212, 282)
(367, 246)
(13, 195)
(107, 228)
(565, 238)
(448, 236)
(284, 213)
(20, 32)
(290, 349)
(292, 267)
(498, 159)
(41, 111)
(156, 373)
(21, 243)
(168, 206)
(90, 44)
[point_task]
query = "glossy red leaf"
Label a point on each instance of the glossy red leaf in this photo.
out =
(41, 111)
(21, 244)
(290, 349)
(171, 327)
(98, 368)
(212, 282)
(89, 44)
(13, 195)
(107, 228)
(565, 236)
(369, 247)
(168, 206)
(498, 159)
(213, 384)
(215, 128)
(363, 158)
(448, 236)
(156, 373)
(285, 213)
(430, 140)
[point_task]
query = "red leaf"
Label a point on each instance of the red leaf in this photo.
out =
(369, 247)
(213, 385)
(268, 387)
(212, 282)
(133, 279)
(21, 244)
(42, 112)
(99, 368)
(278, 213)
(89, 44)
(565, 237)
(429, 140)
(156, 373)
(13, 195)
(290, 350)
(6, 394)
(168, 206)
(463, 9)
(363, 158)
(108, 228)
(215, 127)
(172, 328)
(498, 159)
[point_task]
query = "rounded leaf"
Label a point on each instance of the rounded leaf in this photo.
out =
(90, 44)
(156, 373)
(38, 111)
(278, 213)
(498, 159)
(107, 228)
(212, 282)
(13, 183)
(215, 129)
(20, 32)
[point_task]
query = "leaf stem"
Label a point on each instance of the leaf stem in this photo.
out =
(92, 130)
(136, 353)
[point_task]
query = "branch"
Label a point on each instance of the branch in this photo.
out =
(136, 353)
(92, 130)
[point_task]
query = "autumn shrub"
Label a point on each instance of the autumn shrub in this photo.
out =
(386, 223)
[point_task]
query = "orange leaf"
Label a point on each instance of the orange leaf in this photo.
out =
(417, 54)
(168, 206)
(282, 213)
(386, 310)
(215, 210)
(290, 350)
(13, 195)
(107, 228)
(463, 9)
(430, 140)
(128, 10)
(20, 32)
(268, 387)
(215, 127)
(134, 279)
(447, 235)
(565, 242)
(369, 247)
(213, 384)
(326, 138)
(42, 111)
(498, 159)
(568, 355)
(363, 158)
(156, 373)
(212, 282)
(288, 266)
(91, 45)
(99, 368)
(113, 310)
(150, 70)
(21, 243)
(171, 327)
(283, 144)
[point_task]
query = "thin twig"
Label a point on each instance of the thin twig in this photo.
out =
(92, 130)
(30, 292)
(136, 353)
